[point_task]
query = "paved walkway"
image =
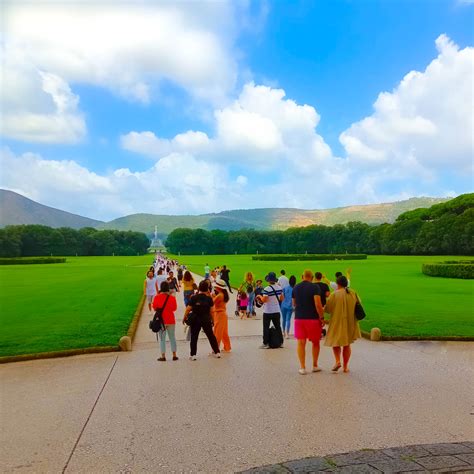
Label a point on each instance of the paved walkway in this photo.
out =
(126, 412)
(441, 457)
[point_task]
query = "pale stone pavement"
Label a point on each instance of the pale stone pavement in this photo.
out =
(126, 412)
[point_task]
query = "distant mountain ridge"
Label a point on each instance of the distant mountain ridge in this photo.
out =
(267, 218)
(17, 209)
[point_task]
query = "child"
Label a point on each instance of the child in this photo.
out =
(243, 303)
(150, 288)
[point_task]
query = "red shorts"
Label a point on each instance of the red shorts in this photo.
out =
(308, 329)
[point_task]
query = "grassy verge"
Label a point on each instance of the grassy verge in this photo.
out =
(398, 298)
(88, 301)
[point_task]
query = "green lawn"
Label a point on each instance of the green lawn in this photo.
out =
(87, 301)
(398, 298)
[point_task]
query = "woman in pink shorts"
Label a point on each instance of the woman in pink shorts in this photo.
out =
(308, 310)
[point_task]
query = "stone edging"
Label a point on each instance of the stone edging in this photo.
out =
(440, 457)
(132, 329)
(55, 354)
(366, 335)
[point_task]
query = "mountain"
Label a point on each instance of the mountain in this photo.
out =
(267, 218)
(17, 209)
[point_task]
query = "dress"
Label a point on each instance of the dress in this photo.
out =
(343, 326)
(221, 322)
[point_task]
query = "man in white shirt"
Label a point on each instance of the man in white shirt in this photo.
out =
(333, 284)
(283, 280)
(271, 298)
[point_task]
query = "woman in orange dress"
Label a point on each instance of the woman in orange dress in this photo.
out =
(221, 324)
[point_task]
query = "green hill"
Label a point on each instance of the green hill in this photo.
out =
(17, 209)
(266, 218)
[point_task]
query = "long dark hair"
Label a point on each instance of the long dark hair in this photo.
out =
(187, 276)
(342, 281)
(225, 293)
(292, 281)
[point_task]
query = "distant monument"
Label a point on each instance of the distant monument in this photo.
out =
(156, 243)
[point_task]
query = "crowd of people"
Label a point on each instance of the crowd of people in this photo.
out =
(314, 303)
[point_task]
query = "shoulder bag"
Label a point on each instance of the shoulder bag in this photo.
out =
(157, 324)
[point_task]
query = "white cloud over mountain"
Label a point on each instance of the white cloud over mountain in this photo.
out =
(264, 148)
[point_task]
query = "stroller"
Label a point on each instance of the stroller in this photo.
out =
(237, 305)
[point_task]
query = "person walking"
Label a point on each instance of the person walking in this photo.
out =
(271, 298)
(188, 286)
(308, 310)
(225, 276)
(150, 288)
(283, 280)
(287, 306)
(221, 320)
(248, 287)
(168, 302)
(343, 327)
(201, 306)
(173, 283)
(207, 271)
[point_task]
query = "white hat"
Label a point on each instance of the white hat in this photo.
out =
(220, 283)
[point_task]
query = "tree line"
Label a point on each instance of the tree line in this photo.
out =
(39, 240)
(443, 229)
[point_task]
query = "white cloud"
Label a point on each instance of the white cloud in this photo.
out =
(425, 124)
(59, 122)
(265, 152)
(261, 126)
(176, 184)
(128, 48)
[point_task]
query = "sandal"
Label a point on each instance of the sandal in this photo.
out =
(162, 359)
(336, 368)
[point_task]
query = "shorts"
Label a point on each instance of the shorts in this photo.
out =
(308, 329)
(243, 308)
(149, 298)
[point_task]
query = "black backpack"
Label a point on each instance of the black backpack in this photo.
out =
(157, 324)
(275, 337)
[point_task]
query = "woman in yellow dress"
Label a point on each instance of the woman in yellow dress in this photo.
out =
(343, 327)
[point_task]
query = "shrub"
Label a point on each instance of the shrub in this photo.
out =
(31, 260)
(309, 256)
(451, 269)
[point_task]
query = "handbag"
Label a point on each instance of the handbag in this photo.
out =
(190, 320)
(359, 312)
(157, 324)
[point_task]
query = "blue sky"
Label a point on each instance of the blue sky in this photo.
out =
(124, 95)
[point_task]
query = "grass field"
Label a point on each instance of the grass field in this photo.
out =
(398, 298)
(87, 301)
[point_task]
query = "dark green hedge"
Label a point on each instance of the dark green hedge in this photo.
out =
(31, 260)
(452, 269)
(345, 256)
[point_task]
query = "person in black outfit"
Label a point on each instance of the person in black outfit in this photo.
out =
(200, 305)
(225, 276)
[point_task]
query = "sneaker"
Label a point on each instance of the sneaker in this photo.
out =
(317, 369)
(216, 355)
(302, 371)
(193, 358)
(264, 346)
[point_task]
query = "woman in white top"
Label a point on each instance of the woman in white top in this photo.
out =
(150, 288)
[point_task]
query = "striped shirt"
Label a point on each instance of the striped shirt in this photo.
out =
(272, 305)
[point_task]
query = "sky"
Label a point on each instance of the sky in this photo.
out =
(115, 107)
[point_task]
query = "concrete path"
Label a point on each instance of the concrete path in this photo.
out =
(126, 412)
